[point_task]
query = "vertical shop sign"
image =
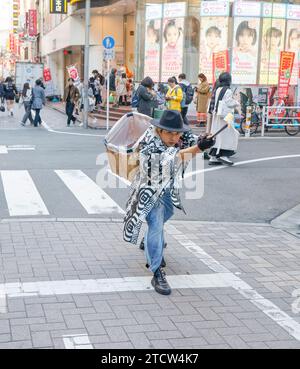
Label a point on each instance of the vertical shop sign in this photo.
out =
(220, 64)
(58, 6)
(285, 73)
(47, 75)
(32, 22)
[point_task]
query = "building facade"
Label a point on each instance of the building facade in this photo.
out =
(161, 38)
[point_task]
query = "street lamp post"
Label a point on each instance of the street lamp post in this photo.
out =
(86, 61)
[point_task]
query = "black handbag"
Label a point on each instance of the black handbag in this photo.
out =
(17, 99)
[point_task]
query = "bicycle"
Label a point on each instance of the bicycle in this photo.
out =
(256, 120)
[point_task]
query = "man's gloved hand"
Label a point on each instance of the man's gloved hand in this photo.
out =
(205, 142)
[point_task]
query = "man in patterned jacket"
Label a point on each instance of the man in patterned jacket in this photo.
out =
(164, 152)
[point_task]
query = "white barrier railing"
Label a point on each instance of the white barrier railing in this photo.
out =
(280, 115)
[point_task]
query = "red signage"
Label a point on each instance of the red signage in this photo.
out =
(32, 22)
(220, 63)
(47, 75)
(285, 73)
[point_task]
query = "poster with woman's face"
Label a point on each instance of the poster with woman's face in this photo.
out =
(172, 54)
(273, 38)
(152, 49)
(213, 38)
(292, 44)
(245, 50)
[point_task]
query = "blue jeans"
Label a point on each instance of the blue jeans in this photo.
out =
(154, 238)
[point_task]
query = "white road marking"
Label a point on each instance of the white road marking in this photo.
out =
(88, 193)
(45, 125)
(3, 150)
(77, 342)
(141, 283)
(23, 199)
(191, 174)
(242, 163)
(266, 306)
(20, 148)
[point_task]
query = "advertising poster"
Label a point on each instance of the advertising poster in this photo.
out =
(245, 50)
(213, 38)
(172, 54)
(73, 73)
(273, 39)
(292, 44)
(220, 64)
(285, 73)
(152, 49)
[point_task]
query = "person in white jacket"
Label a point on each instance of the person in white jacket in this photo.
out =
(227, 141)
(26, 98)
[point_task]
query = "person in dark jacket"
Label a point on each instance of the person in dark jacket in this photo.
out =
(2, 92)
(146, 96)
(113, 87)
(38, 100)
(10, 93)
(71, 97)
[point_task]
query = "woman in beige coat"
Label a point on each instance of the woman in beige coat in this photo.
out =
(202, 97)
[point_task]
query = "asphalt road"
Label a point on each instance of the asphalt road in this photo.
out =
(257, 191)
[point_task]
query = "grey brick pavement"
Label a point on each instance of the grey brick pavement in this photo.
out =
(266, 258)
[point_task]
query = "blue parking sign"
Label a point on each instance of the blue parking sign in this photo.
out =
(108, 42)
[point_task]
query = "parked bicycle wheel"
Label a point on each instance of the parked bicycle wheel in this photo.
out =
(253, 127)
(294, 129)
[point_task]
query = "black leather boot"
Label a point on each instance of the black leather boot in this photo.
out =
(159, 282)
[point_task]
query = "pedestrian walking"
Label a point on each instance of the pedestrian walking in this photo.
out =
(10, 94)
(146, 97)
(113, 87)
(174, 95)
(71, 98)
(122, 90)
(154, 200)
(188, 95)
(38, 100)
(202, 98)
(2, 95)
(27, 102)
(227, 141)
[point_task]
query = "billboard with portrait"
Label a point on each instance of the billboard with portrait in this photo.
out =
(152, 49)
(172, 53)
(213, 39)
(292, 44)
(245, 50)
(273, 39)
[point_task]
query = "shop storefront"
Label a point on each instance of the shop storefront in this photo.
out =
(182, 36)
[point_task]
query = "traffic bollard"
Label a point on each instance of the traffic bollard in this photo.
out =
(248, 121)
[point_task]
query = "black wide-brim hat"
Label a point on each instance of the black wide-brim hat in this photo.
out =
(171, 121)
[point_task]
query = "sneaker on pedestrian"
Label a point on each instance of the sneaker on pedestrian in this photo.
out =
(214, 161)
(225, 160)
(22, 124)
(206, 156)
(11, 113)
(159, 282)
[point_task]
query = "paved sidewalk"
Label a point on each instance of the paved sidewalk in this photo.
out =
(76, 284)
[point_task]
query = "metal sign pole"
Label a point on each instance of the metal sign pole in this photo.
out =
(107, 102)
(86, 62)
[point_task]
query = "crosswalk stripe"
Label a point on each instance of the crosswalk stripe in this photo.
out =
(88, 193)
(3, 150)
(23, 198)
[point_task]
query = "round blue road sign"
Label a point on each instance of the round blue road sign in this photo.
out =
(108, 42)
